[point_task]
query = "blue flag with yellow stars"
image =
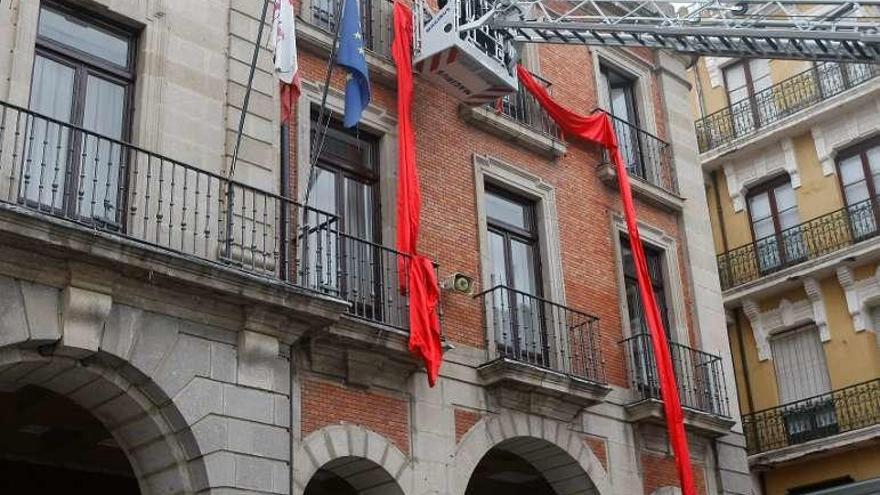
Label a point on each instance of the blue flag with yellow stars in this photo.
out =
(351, 57)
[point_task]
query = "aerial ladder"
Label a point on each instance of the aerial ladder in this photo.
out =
(469, 47)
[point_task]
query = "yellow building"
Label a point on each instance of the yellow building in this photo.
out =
(791, 155)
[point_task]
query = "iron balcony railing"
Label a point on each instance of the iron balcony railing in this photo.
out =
(774, 104)
(532, 330)
(700, 375)
(822, 235)
(376, 21)
(68, 172)
(522, 107)
(846, 409)
(646, 156)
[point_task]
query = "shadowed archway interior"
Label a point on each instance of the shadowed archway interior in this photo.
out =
(352, 476)
(49, 444)
(528, 466)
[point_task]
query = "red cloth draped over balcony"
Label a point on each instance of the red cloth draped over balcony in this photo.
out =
(598, 128)
(418, 279)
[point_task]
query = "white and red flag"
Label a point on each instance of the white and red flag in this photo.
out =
(286, 67)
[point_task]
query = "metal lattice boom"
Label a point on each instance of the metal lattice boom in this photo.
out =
(805, 29)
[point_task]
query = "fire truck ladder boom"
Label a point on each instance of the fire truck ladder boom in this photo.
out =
(818, 30)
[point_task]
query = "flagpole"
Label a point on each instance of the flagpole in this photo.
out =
(247, 92)
(230, 192)
(321, 131)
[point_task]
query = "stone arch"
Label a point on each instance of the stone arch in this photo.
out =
(533, 438)
(143, 420)
(338, 446)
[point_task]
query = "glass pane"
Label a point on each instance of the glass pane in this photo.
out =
(788, 218)
(735, 76)
(856, 193)
(507, 211)
(496, 258)
(873, 155)
(522, 261)
(620, 103)
(101, 159)
(764, 228)
(784, 197)
(359, 209)
(84, 37)
(760, 72)
(759, 206)
(317, 237)
(851, 170)
(45, 164)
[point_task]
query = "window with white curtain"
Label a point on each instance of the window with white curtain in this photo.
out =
(81, 88)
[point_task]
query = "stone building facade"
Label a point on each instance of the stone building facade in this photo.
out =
(165, 328)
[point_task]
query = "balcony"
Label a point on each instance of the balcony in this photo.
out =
(377, 22)
(519, 117)
(836, 419)
(747, 117)
(57, 172)
(702, 388)
(649, 160)
(543, 357)
(809, 240)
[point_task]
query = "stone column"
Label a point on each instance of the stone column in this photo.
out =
(708, 306)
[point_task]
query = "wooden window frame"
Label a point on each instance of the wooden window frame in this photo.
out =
(85, 64)
(859, 149)
(530, 235)
(656, 286)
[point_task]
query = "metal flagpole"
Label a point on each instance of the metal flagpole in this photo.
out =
(230, 193)
(321, 130)
(247, 91)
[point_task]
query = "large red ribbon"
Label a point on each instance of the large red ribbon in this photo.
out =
(417, 276)
(598, 128)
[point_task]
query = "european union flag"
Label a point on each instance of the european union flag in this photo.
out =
(351, 57)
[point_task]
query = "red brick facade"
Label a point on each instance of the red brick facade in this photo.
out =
(597, 445)
(464, 421)
(325, 403)
(659, 471)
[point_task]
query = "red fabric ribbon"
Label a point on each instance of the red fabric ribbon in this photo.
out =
(598, 128)
(417, 276)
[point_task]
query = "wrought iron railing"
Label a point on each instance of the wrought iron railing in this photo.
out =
(808, 240)
(646, 156)
(846, 409)
(700, 375)
(803, 90)
(376, 22)
(522, 107)
(53, 168)
(533, 330)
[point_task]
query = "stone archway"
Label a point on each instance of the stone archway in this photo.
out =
(142, 420)
(548, 446)
(363, 459)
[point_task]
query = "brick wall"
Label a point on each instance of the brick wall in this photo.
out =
(464, 421)
(325, 403)
(659, 471)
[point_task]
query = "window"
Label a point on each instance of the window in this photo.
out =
(745, 81)
(353, 264)
(859, 173)
(802, 379)
(637, 322)
(83, 76)
(514, 259)
(774, 218)
(822, 485)
(622, 105)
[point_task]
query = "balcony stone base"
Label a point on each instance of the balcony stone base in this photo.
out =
(532, 389)
(657, 196)
(698, 422)
(819, 447)
(505, 127)
(362, 353)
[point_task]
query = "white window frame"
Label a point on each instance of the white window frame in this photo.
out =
(672, 283)
(374, 120)
(525, 184)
